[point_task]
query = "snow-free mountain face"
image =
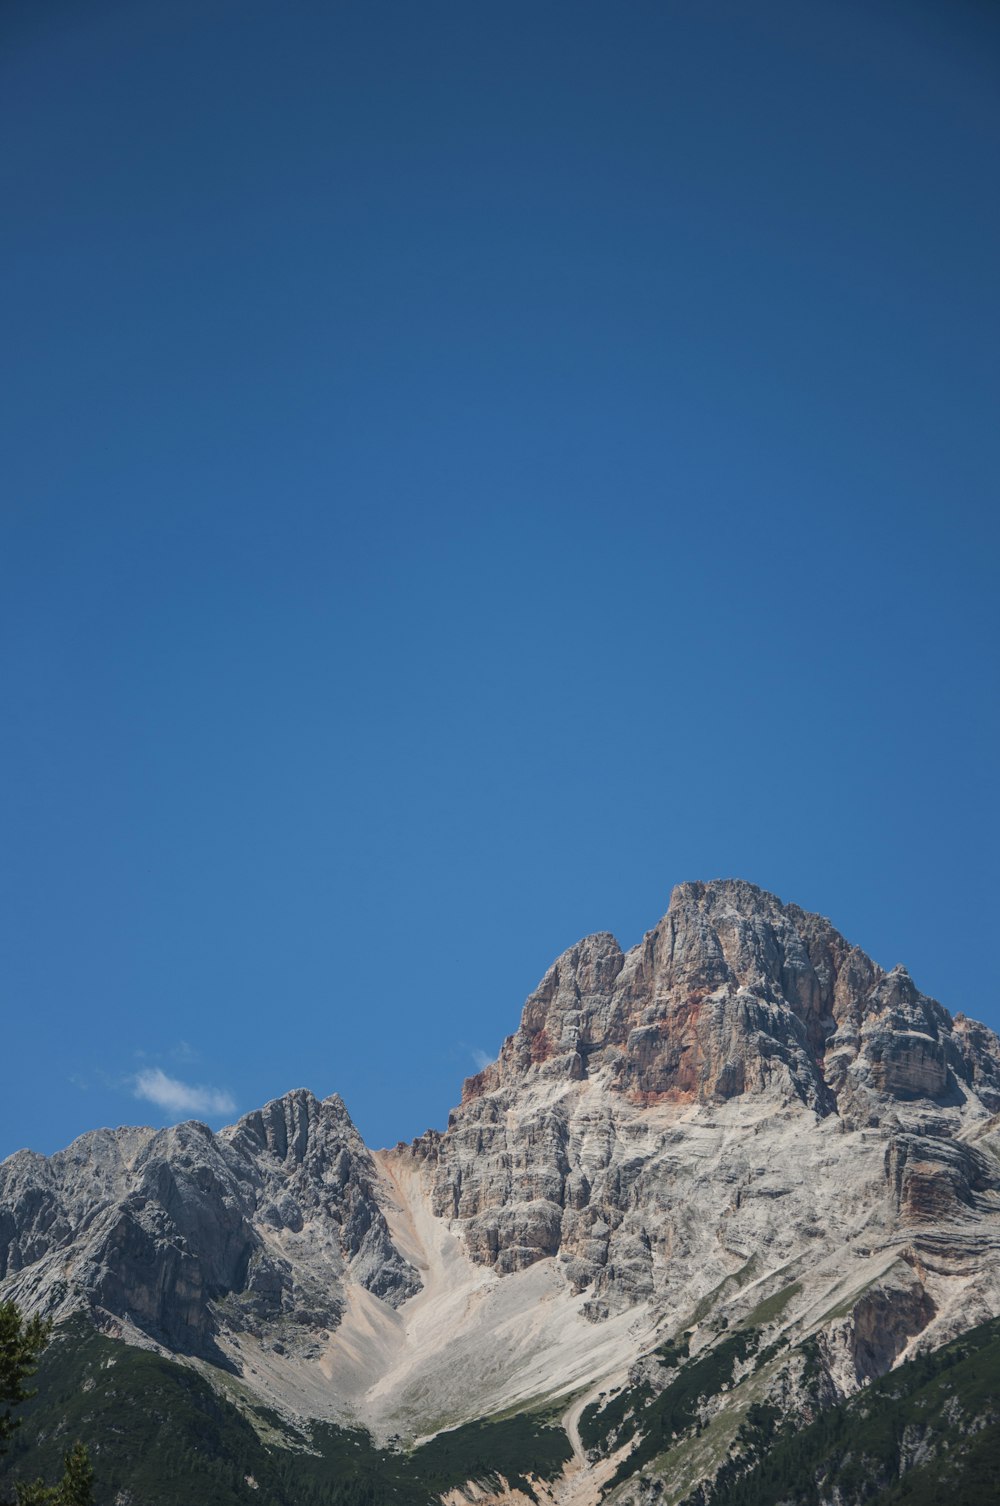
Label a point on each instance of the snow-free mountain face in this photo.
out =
(742, 1118)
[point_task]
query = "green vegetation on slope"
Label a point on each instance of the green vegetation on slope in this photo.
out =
(158, 1430)
(927, 1431)
(660, 1418)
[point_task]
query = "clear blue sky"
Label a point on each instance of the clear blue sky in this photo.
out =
(467, 467)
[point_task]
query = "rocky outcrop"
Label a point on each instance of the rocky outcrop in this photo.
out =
(870, 1336)
(318, 1186)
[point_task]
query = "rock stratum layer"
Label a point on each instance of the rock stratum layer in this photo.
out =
(741, 1121)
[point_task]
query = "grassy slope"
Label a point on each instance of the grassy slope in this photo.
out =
(158, 1431)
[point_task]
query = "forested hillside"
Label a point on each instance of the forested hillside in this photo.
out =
(159, 1432)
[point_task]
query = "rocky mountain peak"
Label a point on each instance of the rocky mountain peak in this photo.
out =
(732, 992)
(180, 1235)
(297, 1128)
(732, 999)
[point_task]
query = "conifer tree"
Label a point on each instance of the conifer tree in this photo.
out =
(77, 1485)
(21, 1343)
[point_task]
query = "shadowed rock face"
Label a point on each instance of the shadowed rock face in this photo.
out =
(179, 1233)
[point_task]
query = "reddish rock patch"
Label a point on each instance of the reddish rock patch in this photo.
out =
(481, 1083)
(540, 1048)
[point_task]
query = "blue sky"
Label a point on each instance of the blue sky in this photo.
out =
(468, 468)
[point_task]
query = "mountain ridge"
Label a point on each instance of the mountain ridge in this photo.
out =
(742, 1110)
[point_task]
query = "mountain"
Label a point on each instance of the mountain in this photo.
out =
(739, 1167)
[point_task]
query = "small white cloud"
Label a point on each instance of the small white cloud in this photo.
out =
(180, 1097)
(481, 1058)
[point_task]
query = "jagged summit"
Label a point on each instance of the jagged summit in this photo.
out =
(741, 1104)
(739, 893)
(735, 992)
